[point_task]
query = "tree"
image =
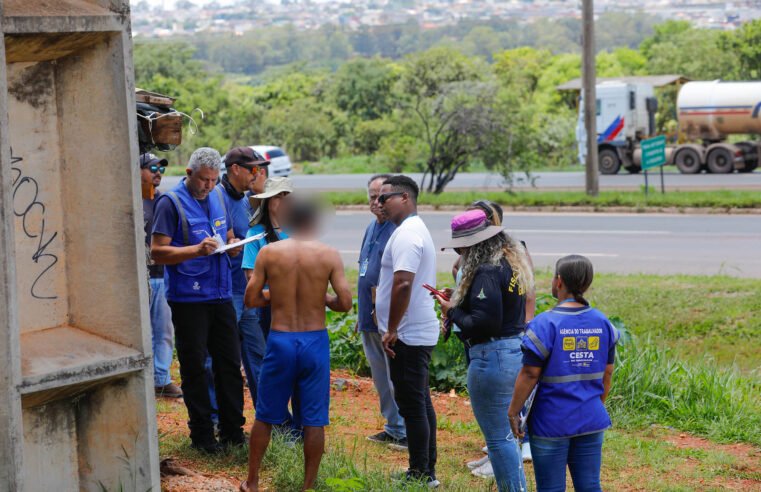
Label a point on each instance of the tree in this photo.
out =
(452, 109)
(745, 43)
(694, 53)
(521, 68)
(363, 88)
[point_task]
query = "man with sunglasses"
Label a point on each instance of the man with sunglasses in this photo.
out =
(408, 322)
(245, 173)
(151, 169)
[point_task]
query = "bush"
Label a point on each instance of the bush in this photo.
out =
(650, 385)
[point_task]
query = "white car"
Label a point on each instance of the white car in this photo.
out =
(280, 163)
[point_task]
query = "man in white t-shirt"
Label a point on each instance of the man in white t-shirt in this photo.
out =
(408, 322)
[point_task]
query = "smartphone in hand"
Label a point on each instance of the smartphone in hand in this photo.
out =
(437, 292)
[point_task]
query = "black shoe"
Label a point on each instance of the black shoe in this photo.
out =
(239, 440)
(207, 447)
(398, 444)
(384, 438)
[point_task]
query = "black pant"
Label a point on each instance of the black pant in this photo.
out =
(209, 328)
(409, 373)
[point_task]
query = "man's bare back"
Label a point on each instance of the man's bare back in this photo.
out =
(298, 272)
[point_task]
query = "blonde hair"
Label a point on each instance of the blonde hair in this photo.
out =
(490, 252)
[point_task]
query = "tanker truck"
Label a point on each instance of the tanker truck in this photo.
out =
(707, 113)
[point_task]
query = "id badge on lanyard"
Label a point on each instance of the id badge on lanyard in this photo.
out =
(363, 267)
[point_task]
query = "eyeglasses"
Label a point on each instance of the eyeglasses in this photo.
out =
(251, 169)
(153, 168)
(384, 197)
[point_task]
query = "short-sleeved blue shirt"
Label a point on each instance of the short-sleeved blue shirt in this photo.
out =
(373, 243)
(251, 250)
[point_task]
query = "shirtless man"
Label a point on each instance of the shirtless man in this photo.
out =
(297, 271)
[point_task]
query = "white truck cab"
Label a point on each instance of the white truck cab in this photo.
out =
(622, 120)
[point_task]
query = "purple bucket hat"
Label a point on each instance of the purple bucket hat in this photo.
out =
(469, 228)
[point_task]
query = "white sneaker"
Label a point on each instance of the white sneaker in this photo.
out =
(484, 471)
(526, 452)
(485, 449)
(477, 463)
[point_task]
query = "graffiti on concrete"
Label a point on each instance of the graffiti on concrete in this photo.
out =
(31, 211)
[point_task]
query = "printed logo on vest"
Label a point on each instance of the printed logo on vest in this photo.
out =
(569, 343)
(196, 286)
(594, 343)
(481, 294)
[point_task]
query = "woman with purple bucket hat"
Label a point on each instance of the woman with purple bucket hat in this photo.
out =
(488, 306)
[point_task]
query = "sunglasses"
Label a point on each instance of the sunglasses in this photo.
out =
(251, 169)
(153, 168)
(384, 197)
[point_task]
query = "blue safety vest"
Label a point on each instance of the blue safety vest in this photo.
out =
(574, 343)
(240, 213)
(206, 278)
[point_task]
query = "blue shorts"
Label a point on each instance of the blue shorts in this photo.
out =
(300, 362)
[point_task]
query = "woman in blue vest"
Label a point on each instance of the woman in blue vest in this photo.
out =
(568, 354)
(488, 306)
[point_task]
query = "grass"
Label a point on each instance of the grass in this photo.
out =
(692, 365)
(692, 362)
(721, 199)
(699, 318)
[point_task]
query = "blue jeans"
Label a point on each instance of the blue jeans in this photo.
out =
(582, 454)
(252, 346)
(493, 368)
(162, 334)
(379, 367)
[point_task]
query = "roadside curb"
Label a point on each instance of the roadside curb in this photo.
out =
(590, 209)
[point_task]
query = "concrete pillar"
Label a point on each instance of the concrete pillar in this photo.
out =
(75, 361)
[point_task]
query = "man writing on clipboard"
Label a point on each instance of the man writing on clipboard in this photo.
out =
(189, 224)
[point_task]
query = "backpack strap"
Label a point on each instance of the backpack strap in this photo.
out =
(183, 217)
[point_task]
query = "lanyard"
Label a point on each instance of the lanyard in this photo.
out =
(374, 235)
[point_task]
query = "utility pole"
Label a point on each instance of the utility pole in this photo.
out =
(589, 78)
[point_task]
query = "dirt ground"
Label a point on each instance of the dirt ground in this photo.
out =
(692, 463)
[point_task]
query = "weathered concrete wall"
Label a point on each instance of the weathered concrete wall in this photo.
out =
(10, 367)
(74, 325)
(36, 191)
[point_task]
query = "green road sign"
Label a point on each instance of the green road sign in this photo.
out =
(653, 152)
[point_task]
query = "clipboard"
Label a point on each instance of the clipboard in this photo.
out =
(243, 242)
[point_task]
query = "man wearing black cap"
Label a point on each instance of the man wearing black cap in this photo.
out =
(245, 172)
(151, 169)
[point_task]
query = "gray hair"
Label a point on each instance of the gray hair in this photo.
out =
(384, 177)
(205, 157)
(376, 177)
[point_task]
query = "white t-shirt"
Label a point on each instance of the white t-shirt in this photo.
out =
(410, 249)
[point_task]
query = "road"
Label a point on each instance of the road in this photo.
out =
(620, 243)
(560, 180)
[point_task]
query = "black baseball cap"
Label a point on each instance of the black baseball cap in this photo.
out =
(246, 157)
(147, 160)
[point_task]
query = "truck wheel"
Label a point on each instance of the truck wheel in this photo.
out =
(688, 161)
(609, 163)
(720, 161)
